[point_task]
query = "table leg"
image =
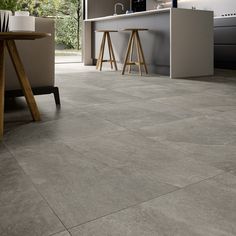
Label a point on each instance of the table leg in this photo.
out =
(2, 86)
(24, 82)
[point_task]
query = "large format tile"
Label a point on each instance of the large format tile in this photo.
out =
(150, 91)
(18, 115)
(160, 105)
(80, 125)
(129, 114)
(201, 100)
(116, 142)
(79, 188)
(3, 148)
(204, 209)
(198, 130)
(64, 233)
(130, 152)
(220, 156)
(23, 211)
(99, 97)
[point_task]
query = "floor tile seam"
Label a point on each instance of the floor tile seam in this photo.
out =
(37, 190)
(5, 147)
(159, 124)
(162, 99)
(198, 116)
(16, 128)
(61, 231)
(123, 127)
(104, 103)
(122, 93)
(200, 161)
(123, 209)
(138, 116)
(146, 201)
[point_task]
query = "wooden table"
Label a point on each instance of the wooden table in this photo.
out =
(7, 41)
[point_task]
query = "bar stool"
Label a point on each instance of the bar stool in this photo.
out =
(100, 60)
(134, 38)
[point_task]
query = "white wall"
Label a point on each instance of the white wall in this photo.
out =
(218, 6)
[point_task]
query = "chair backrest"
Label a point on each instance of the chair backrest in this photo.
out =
(38, 57)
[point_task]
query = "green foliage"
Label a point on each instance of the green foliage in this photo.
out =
(66, 13)
(67, 16)
(8, 5)
(66, 33)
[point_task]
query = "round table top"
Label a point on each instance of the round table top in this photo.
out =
(22, 35)
(135, 29)
(110, 31)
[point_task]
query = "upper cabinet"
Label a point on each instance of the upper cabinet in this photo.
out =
(100, 8)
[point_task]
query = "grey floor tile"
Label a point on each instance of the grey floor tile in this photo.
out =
(154, 91)
(146, 119)
(198, 130)
(99, 97)
(125, 114)
(133, 153)
(79, 188)
(118, 141)
(3, 149)
(220, 156)
(204, 209)
(201, 100)
(80, 125)
(17, 113)
(160, 105)
(64, 233)
(23, 211)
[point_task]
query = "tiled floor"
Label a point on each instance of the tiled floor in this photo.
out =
(124, 156)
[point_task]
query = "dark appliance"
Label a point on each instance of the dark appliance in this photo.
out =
(138, 5)
(175, 3)
(225, 42)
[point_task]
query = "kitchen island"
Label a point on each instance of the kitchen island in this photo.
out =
(179, 42)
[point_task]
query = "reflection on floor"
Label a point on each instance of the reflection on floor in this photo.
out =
(123, 156)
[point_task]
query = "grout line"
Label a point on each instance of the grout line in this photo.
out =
(123, 209)
(60, 232)
(36, 189)
(140, 203)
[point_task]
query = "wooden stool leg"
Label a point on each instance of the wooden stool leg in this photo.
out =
(103, 49)
(24, 82)
(109, 49)
(131, 54)
(99, 55)
(2, 86)
(128, 52)
(100, 52)
(138, 53)
(112, 52)
(142, 54)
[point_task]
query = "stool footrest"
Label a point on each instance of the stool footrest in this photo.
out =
(135, 63)
(106, 60)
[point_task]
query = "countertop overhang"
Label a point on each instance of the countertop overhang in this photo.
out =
(113, 17)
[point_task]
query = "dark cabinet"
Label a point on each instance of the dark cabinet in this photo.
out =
(225, 42)
(138, 5)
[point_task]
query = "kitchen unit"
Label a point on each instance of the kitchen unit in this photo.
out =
(225, 42)
(179, 42)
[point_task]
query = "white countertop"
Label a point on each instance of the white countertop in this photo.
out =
(224, 17)
(112, 17)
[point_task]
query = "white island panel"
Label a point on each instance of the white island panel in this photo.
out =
(179, 42)
(192, 43)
